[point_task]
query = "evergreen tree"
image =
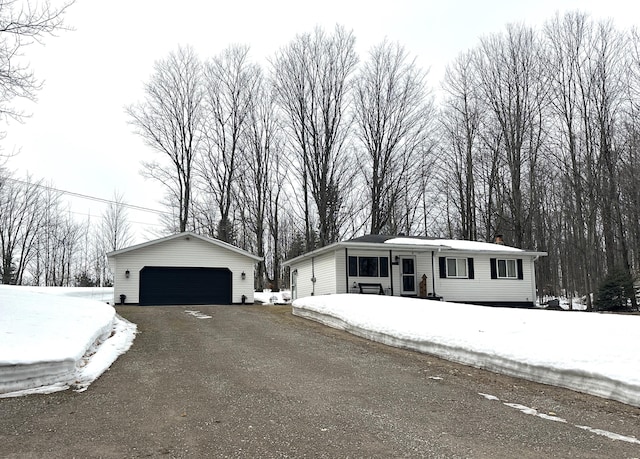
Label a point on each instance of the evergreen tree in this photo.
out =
(615, 291)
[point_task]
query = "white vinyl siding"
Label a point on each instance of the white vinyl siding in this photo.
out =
(180, 252)
(341, 271)
(484, 289)
(475, 286)
(422, 268)
(325, 273)
(301, 276)
(321, 268)
(384, 281)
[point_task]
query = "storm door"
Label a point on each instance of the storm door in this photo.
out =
(408, 276)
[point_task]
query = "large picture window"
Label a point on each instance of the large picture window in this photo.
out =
(368, 266)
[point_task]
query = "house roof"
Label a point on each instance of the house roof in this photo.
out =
(418, 244)
(186, 234)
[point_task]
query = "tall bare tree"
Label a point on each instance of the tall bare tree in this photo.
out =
(230, 82)
(262, 147)
(312, 78)
(392, 116)
(21, 217)
(461, 121)
(170, 121)
(512, 80)
(115, 229)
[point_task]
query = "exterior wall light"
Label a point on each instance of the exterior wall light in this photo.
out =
(243, 275)
(127, 274)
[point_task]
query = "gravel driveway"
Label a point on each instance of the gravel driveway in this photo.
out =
(256, 381)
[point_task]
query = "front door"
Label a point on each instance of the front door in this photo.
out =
(408, 276)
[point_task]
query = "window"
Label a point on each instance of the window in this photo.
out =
(507, 269)
(353, 266)
(368, 266)
(384, 267)
(456, 267)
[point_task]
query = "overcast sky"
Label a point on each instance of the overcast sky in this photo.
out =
(78, 139)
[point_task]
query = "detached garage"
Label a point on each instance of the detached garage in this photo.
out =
(183, 269)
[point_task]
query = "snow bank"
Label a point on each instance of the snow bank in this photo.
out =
(104, 294)
(592, 353)
(52, 342)
(269, 297)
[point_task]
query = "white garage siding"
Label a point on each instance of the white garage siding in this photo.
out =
(183, 251)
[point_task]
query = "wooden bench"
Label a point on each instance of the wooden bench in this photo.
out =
(374, 289)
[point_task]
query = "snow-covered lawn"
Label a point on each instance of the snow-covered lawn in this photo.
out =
(269, 297)
(598, 354)
(52, 339)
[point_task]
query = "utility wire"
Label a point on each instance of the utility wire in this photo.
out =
(90, 198)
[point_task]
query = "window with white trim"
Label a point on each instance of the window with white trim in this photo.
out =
(457, 267)
(507, 269)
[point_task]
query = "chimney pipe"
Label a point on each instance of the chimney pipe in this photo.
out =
(499, 239)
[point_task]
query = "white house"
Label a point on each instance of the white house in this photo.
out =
(181, 269)
(452, 270)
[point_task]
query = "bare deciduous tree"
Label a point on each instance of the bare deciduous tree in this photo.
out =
(170, 122)
(312, 81)
(115, 229)
(230, 82)
(21, 216)
(113, 233)
(513, 84)
(393, 113)
(461, 118)
(262, 147)
(21, 24)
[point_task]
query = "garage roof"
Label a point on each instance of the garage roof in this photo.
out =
(187, 235)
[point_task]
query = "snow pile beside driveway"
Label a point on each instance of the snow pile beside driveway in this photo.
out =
(104, 294)
(52, 342)
(269, 297)
(592, 353)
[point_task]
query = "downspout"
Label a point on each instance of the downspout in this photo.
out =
(391, 271)
(534, 289)
(346, 268)
(433, 272)
(313, 276)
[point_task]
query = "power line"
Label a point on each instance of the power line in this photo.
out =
(91, 198)
(94, 216)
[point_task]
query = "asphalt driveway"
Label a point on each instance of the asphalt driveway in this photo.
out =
(255, 381)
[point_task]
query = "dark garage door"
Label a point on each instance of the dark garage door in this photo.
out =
(161, 285)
